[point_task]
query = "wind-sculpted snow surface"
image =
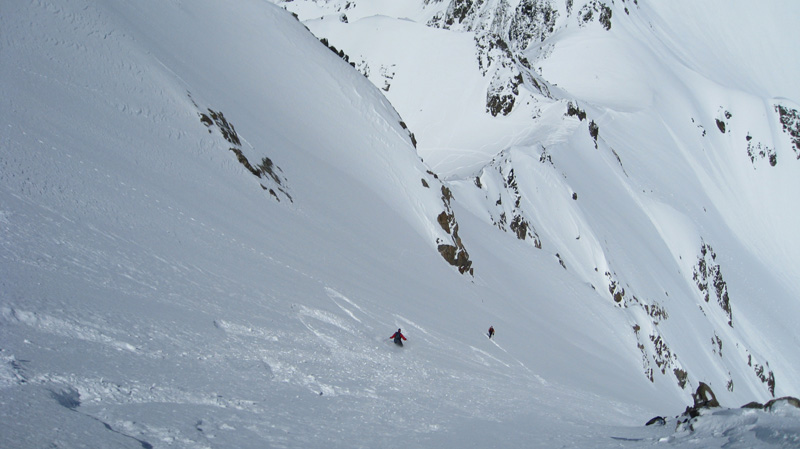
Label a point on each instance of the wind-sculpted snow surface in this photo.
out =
(210, 224)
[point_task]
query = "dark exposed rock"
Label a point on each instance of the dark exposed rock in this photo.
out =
(534, 20)
(757, 150)
(226, 128)
(509, 214)
(682, 377)
(457, 257)
(519, 226)
(410, 134)
(662, 355)
(265, 170)
(721, 124)
(500, 103)
(454, 253)
(243, 160)
(575, 111)
(657, 421)
(708, 277)
(594, 131)
(595, 9)
(457, 12)
(616, 290)
(339, 52)
(653, 346)
(648, 370)
(503, 90)
(717, 344)
(754, 405)
(790, 400)
(767, 377)
(790, 120)
(704, 397)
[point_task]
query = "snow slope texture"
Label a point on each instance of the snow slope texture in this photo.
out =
(207, 241)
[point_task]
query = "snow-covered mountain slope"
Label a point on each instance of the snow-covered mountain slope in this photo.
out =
(650, 149)
(211, 224)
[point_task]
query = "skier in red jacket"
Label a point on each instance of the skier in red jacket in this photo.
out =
(398, 338)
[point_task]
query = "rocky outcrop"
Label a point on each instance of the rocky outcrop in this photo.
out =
(595, 10)
(790, 121)
(502, 33)
(657, 421)
(533, 21)
(507, 213)
(338, 52)
(459, 10)
(722, 123)
(703, 398)
(708, 278)
(774, 403)
(453, 251)
(502, 94)
(763, 373)
(758, 151)
(270, 175)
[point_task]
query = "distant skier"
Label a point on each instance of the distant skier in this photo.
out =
(398, 338)
(491, 332)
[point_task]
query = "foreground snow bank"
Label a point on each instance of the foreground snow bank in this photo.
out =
(774, 426)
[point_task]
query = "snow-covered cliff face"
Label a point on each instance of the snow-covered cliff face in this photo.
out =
(650, 150)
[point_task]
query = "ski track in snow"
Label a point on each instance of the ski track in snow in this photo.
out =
(91, 332)
(334, 295)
